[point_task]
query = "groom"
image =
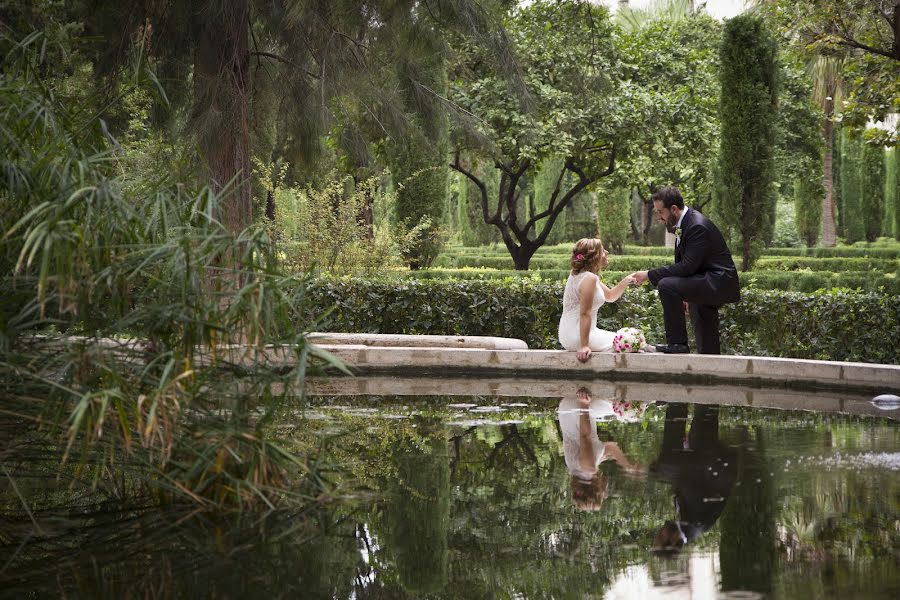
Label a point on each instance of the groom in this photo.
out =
(703, 276)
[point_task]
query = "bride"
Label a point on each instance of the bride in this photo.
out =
(584, 296)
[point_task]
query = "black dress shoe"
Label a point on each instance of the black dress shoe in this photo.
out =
(673, 348)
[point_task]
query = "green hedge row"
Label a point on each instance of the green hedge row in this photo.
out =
(639, 263)
(889, 252)
(832, 325)
(793, 281)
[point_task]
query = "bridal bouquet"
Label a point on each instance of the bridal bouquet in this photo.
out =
(629, 339)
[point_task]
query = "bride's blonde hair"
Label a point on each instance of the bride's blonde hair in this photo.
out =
(586, 254)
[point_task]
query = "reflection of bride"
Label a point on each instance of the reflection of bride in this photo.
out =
(583, 450)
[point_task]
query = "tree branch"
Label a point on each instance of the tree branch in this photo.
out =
(457, 166)
(285, 61)
(851, 43)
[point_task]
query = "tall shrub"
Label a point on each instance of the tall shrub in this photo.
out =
(748, 76)
(892, 193)
(808, 208)
(613, 215)
(872, 198)
(419, 161)
(837, 165)
(851, 186)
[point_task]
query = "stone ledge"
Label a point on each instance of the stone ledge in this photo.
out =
(417, 341)
(676, 368)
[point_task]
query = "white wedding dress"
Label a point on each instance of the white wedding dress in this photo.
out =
(569, 332)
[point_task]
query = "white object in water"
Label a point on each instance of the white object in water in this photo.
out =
(886, 402)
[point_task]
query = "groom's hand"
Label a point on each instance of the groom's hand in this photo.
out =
(640, 277)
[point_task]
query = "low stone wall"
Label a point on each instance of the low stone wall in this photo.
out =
(672, 369)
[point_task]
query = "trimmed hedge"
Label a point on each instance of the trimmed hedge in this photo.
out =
(884, 252)
(792, 281)
(832, 325)
(639, 263)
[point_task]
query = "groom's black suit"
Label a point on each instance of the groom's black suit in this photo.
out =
(704, 275)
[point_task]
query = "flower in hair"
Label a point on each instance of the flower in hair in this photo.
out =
(579, 257)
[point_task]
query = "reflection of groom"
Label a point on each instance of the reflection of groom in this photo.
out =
(703, 276)
(701, 470)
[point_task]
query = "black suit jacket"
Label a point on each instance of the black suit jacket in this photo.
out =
(702, 252)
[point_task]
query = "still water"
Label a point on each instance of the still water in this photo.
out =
(579, 496)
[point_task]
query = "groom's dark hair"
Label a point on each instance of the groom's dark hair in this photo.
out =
(669, 196)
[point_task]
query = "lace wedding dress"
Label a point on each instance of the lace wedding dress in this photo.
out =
(569, 333)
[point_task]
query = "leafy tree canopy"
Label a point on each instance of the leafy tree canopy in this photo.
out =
(866, 33)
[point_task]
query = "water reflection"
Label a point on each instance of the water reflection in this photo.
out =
(700, 469)
(583, 450)
(588, 495)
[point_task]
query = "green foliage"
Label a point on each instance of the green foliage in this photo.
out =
(872, 190)
(613, 213)
(785, 235)
(852, 185)
(808, 208)
(792, 281)
(837, 192)
(471, 227)
(418, 160)
(745, 202)
(574, 106)
(321, 230)
(860, 33)
(673, 55)
(89, 254)
(830, 324)
(892, 192)
(639, 263)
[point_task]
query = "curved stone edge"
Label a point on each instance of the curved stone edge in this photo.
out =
(662, 368)
(416, 341)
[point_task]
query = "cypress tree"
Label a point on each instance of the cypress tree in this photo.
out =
(851, 186)
(872, 198)
(613, 215)
(836, 179)
(892, 193)
(419, 161)
(746, 170)
(808, 208)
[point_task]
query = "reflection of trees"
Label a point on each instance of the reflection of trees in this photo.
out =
(176, 553)
(417, 510)
(513, 520)
(747, 543)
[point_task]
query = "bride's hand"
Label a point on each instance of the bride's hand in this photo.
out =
(584, 354)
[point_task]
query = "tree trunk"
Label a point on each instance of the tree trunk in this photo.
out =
(221, 109)
(270, 205)
(829, 237)
(521, 255)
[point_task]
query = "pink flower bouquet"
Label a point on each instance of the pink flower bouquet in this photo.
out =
(629, 339)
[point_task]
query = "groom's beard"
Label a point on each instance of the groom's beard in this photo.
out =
(671, 222)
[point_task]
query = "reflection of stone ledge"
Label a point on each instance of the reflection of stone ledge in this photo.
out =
(728, 395)
(683, 369)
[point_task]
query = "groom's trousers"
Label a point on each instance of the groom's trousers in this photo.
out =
(697, 292)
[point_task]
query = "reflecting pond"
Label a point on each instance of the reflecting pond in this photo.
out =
(490, 496)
